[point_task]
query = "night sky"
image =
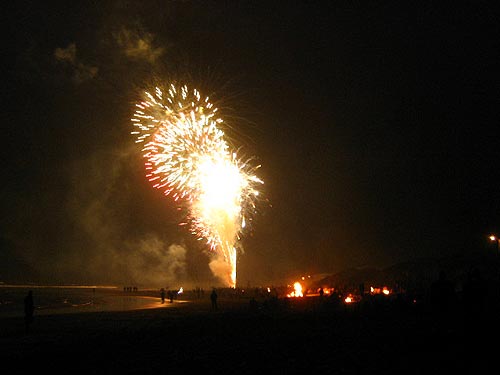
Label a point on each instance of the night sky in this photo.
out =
(376, 124)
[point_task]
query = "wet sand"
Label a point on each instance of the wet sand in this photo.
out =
(286, 336)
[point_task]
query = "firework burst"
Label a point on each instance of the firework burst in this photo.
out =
(188, 158)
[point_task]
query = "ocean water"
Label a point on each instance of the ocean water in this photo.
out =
(73, 299)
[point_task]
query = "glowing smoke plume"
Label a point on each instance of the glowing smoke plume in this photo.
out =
(188, 158)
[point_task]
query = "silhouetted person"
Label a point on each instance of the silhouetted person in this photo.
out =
(321, 292)
(29, 309)
(443, 301)
(162, 294)
(362, 289)
(171, 296)
(213, 299)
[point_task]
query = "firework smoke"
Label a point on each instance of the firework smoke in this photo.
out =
(188, 158)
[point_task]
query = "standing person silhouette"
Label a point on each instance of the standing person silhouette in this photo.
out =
(171, 296)
(29, 309)
(213, 298)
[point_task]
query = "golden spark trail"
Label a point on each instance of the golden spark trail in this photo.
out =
(188, 158)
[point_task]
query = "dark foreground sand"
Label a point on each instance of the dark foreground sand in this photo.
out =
(305, 336)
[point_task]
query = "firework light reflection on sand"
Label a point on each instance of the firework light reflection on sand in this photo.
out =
(188, 158)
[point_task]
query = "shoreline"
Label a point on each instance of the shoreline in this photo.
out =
(108, 299)
(113, 304)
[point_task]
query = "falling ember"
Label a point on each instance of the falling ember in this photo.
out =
(188, 158)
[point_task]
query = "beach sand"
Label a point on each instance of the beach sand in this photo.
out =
(286, 336)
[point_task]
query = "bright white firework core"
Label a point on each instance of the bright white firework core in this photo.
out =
(187, 156)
